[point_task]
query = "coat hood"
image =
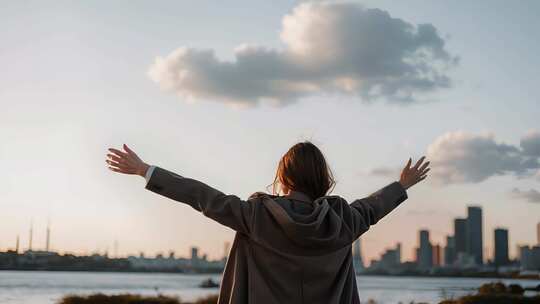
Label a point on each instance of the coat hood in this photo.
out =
(305, 222)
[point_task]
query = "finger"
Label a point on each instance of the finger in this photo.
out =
(408, 165)
(419, 162)
(128, 150)
(118, 152)
(425, 171)
(121, 170)
(115, 158)
(424, 166)
(114, 169)
(118, 165)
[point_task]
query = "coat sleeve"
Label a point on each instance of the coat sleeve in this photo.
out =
(228, 210)
(369, 210)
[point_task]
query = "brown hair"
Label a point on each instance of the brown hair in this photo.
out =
(303, 168)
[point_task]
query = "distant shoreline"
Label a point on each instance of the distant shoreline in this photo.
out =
(479, 276)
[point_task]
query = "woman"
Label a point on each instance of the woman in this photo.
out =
(290, 248)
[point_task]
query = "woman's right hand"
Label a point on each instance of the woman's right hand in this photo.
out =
(126, 162)
(411, 176)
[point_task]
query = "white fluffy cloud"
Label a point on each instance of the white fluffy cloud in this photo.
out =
(460, 157)
(329, 48)
(532, 196)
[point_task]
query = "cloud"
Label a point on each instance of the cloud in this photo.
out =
(530, 144)
(461, 157)
(329, 48)
(532, 196)
(385, 172)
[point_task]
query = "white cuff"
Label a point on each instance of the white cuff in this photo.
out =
(149, 172)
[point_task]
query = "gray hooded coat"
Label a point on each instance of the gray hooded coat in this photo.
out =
(287, 249)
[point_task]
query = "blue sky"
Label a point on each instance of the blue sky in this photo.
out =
(75, 81)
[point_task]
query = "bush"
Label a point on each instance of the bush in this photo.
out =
(130, 299)
(496, 293)
(492, 288)
(516, 289)
(118, 299)
(208, 300)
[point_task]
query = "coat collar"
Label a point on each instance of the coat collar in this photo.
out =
(299, 196)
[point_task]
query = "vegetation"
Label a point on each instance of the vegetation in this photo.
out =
(497, 293)
(131, 299)
(491, 293)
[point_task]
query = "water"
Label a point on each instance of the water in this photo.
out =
(34, 287)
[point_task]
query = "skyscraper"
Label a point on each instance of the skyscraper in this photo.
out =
(474, 234)
(450, 251)
(460, 235)
(425, 251)
(501, 247)
(437, 255)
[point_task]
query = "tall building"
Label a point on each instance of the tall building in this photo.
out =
(529, 257)
(391, 258)
(437, 252)
(501, 247)
(425, 251)
(460, 235)
(450, 251)
(194, 253)
(474, 234)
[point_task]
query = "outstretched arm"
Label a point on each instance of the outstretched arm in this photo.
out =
(369, 210)
(228, 210)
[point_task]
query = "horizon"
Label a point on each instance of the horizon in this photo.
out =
(488, 255)
(458, 84)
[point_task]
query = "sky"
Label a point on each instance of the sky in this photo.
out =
(218, 91)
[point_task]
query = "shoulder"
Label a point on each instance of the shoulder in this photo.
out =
(261, 195)
(332, 199)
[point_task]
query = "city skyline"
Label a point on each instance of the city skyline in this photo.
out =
(454, 83)
(424, 254)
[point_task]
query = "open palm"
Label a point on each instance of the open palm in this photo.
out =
(411, 176)
(126, 162)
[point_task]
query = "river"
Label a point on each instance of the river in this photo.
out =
(35, 287)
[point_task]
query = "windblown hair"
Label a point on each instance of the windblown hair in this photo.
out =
(303, 168)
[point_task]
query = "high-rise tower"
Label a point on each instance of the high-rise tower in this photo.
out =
(501, 247)
(425, 251)
(474, 234)
(460, 235)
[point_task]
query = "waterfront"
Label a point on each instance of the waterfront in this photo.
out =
(33, 287)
